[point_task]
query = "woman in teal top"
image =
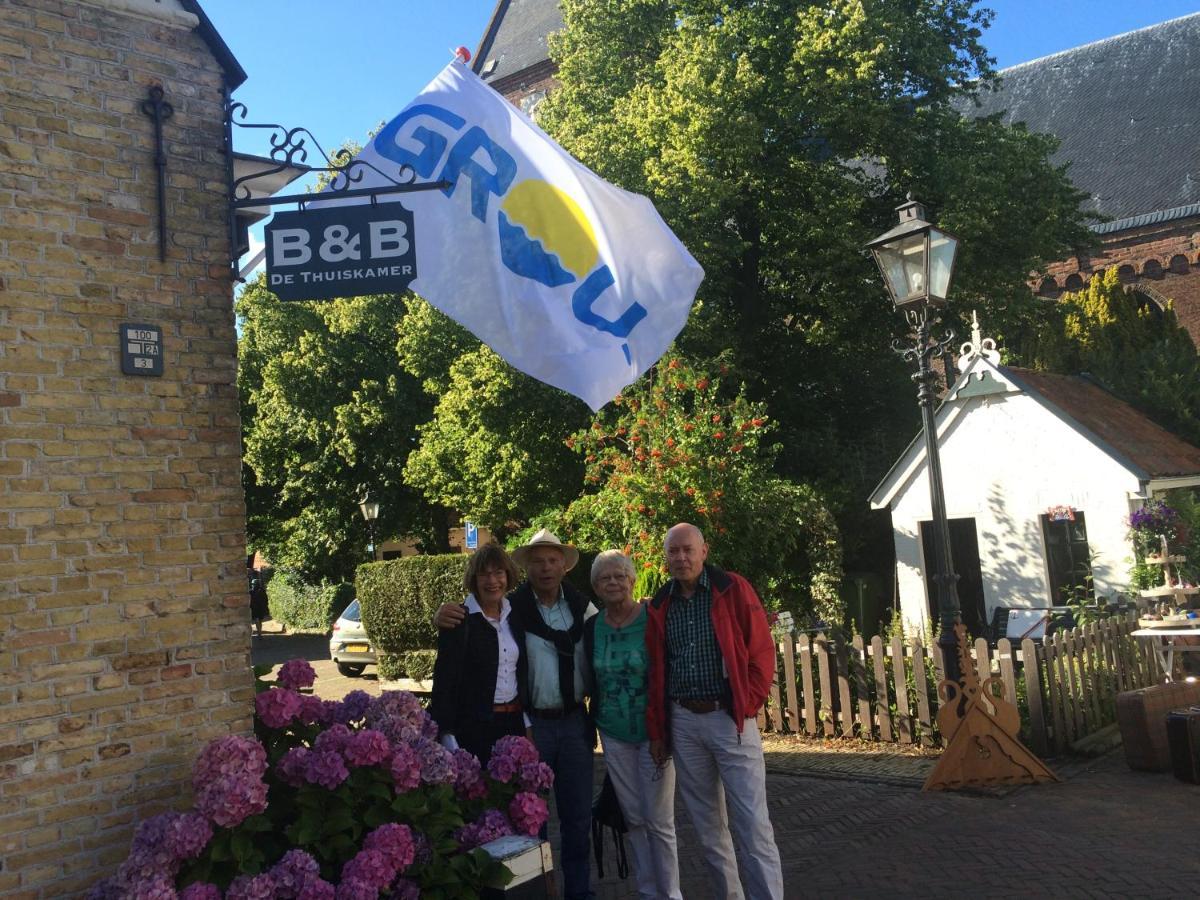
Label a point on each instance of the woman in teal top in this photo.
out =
(616, 642)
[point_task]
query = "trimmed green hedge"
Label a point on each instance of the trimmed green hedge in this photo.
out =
(398, 598)
(306, 607)
(414, 664)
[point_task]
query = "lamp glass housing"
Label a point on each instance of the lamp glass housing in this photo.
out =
(916, 259)
(370, 508)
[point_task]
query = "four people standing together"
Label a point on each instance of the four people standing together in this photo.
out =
(674, 687)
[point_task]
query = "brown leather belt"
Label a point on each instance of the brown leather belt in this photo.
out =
(700, 706)
(511, 707)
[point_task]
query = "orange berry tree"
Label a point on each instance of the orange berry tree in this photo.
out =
(682, 444)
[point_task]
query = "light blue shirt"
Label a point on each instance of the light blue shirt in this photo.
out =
(544, 690)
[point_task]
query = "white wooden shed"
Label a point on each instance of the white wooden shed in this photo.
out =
(1041, 472)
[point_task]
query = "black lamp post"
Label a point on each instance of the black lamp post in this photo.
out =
(917, 262)
(370, 510)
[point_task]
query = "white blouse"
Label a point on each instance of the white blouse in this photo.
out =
(506, 663)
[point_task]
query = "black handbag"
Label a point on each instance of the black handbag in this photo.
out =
(607, 815)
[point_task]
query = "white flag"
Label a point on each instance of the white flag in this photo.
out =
(569, 278)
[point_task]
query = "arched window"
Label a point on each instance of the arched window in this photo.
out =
(1074, 282)
(1179, 264)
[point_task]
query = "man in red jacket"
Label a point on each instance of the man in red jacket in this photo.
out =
(711, 664)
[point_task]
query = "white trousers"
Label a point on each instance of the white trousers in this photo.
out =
(648, 805)
(723, 782)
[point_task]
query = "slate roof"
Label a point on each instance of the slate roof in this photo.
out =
(516, 37)
(1126, 110)
(1126, 433)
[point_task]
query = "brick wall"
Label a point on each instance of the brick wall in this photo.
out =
(124, 640)
(1163, 259)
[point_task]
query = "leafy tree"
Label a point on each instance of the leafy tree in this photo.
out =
(681, 446)
(494, 448)
(327, 410)
(776, 137)
(1137, 350)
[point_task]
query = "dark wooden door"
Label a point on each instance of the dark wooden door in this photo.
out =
(964, 555)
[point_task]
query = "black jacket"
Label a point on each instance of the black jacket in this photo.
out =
(524, 609)
(464, 675)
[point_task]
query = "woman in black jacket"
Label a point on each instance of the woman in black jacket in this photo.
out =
(481, 662)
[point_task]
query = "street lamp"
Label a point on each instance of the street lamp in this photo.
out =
(917, 263)
(370, 511)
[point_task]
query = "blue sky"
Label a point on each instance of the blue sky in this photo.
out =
(341, 68)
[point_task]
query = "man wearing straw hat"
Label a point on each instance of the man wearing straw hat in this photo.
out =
(552, 615)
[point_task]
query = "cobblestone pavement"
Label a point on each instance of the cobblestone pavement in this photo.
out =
(857, 825)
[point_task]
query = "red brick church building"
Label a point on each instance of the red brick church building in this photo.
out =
(1123, 109)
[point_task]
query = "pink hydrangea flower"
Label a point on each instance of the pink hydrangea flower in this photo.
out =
(326, 768)
(528, 813)
(367, 748)
(227, 780)
(296, 674)
(155, 889)
(277, 707)
(502, 768)
(200, 890)
(395, 843)
(468, 775)
(406, 768)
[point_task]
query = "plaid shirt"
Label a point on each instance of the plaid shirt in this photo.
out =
(693, 657)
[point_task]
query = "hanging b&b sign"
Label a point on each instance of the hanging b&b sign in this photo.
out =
(340, 251)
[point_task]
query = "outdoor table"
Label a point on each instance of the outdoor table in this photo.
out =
(1166, 648)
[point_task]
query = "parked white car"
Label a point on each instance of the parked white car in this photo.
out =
(349, 645)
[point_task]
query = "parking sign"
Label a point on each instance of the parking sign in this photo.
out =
(472, 532)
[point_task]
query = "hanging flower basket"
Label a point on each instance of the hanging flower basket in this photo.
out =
(336, 800)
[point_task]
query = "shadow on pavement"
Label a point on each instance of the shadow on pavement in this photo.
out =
(275, 647)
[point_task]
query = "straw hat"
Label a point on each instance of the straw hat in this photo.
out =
(546, 538)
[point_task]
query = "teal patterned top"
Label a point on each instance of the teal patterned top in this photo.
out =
(621, 667)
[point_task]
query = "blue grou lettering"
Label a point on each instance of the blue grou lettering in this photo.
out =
(483, 182)
(433, 143)
(587, 294)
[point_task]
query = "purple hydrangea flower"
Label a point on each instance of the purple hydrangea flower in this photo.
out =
(468, 775)
(356, 890)
(437, 764)
(369, 867)
(326, 768)
(317, 889)
(230, 801)
(312, 710)
(187, 835)
(489, 826)
(406, 768)
(528, 813)
(277, 707)
(395, 843)
(333, 739)
(200, 890)
(399, 715)
(536, 776)
(104, 890)
(406, 889)
(296, 674)
(251, 887)
(332, 712)
(354, 706)
(161, 888)
(292, 766)
(293, 871)
(509, 755)
(367, 748)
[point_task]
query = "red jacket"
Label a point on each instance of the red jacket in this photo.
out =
(742, 634)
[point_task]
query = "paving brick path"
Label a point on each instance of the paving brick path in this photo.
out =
(860, 827)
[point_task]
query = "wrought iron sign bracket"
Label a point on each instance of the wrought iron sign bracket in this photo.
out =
(290, 150)
(156, 108)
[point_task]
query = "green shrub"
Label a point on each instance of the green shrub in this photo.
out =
(390, 665)
(399, 596)
(414, 664)
(306, 607)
